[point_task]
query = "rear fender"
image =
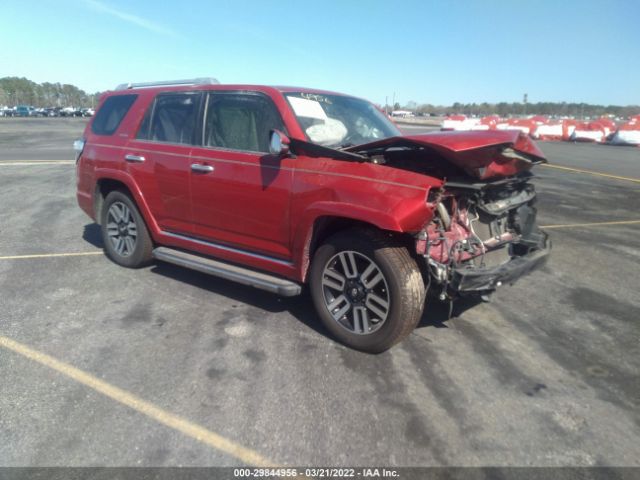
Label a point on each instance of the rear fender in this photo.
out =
(136, 193)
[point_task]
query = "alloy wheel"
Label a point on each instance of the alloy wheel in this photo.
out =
(121, 229)
(355, 292)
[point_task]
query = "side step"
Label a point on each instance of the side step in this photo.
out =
(263, 281)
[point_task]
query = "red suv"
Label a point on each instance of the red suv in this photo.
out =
(277, 187)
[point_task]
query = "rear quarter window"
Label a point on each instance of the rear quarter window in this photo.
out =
(111, 113)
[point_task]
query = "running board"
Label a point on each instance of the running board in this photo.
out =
(263, 281)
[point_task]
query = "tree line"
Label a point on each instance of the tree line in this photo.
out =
(21, 91)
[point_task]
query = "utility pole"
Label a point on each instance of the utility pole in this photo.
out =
(524, 100)
(386, 104)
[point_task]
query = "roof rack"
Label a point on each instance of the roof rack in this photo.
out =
(169, 83)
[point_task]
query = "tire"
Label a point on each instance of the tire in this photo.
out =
(394, 278)
(125, 236)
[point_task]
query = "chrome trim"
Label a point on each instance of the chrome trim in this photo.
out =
(228, 249)
(134, 158)
(199, 168)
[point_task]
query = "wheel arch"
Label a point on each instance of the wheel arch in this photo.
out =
(323, 226)
(104, 187)
(108, 181)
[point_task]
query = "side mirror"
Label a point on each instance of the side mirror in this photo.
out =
(278, 143)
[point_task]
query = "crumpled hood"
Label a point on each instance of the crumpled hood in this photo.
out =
(482, 154)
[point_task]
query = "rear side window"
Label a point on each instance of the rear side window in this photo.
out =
(240, 121)
(111, 113)
(172, 118)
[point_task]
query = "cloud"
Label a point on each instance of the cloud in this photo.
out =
(127, 17)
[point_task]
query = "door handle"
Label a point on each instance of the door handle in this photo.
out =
(199, 168)
(134, 158)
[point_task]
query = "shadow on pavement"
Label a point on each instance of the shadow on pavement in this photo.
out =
(93, 235)
(435, 315)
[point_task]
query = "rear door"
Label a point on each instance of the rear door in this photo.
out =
(159, 158)
(240, 193)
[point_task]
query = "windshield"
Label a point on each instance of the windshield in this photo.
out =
(338, 121)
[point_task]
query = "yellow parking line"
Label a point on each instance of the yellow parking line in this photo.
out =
(130, 400)
(590, 172)
(35, 162)
(594, 224)
(50, 255)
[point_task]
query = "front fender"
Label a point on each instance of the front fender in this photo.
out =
(410, 215)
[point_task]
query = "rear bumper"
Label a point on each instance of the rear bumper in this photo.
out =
(85, 202)
(471, 280)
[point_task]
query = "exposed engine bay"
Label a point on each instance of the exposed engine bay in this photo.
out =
(476, 231)
(483, 232)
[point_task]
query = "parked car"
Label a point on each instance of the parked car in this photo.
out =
(87, 112)
(24, 111)
(70, 112)
(277, 188)
(51, 112)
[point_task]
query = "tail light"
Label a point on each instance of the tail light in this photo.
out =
(78, 147)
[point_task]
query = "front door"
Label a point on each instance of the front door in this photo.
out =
(239, 192)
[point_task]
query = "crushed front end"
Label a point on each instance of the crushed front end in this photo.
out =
(482, 232)
(483, 235)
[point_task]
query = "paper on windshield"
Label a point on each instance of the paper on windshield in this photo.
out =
(307, 108)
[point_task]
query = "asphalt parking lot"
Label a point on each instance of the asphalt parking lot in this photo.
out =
(105, 366)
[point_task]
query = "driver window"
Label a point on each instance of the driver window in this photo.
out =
(240, 121)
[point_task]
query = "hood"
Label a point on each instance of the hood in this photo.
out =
(482, 154)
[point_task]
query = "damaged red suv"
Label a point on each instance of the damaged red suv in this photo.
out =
(278, 187)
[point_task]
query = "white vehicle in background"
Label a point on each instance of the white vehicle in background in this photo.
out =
(70, 112)
(459, 123)
(87, 112)
(402, 114)
(628, 133)
(549, 131)
(593, 131)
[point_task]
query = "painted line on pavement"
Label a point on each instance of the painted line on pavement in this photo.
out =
(136, 403)
(593, 224)
(50, 255)
(10, 163)
(590, 172)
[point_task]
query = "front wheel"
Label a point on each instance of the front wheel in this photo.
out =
(367, 289)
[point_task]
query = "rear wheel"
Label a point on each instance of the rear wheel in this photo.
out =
(124, 233)
(367, 289)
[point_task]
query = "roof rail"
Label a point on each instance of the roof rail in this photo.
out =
(170, 83)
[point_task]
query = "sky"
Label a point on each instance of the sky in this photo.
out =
(426, 51)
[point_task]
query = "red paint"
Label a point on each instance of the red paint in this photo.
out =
(268, 205)
(473, 150)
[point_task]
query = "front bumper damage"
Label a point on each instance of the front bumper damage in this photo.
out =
(479, 280)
